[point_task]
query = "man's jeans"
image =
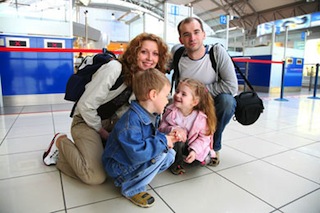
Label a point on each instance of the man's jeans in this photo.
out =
(225, 107)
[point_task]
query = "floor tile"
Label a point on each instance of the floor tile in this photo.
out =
(25, 144)
(275, 186)
(299, 163)
(121, 204)
(32, 194)
(30, 130)
(307, 204)
(210, 193)
(312, 149)
(167, 177)
(21, 164)
(285, 139)
(78, 193)
(255, 146)
(230, 157)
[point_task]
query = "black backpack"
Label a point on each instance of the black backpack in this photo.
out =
(249, 105)
(77, 82)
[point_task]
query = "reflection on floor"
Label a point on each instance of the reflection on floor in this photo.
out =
(270, 166)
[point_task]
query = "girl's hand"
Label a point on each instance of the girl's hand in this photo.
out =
(191, 157)
(180, 133)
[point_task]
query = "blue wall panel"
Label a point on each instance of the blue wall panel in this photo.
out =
(259, 74)
(25, 73)
(294, 72)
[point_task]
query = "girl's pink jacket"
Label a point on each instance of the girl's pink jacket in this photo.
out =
(196, 137)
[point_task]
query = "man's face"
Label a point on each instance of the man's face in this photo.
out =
(191, 36)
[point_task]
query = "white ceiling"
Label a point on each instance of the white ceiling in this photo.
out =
(248, 13)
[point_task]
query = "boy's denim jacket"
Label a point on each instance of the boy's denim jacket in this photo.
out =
(134, 142)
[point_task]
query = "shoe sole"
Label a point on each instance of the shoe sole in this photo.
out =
(216, 163)
(141, 205)
(45, 154)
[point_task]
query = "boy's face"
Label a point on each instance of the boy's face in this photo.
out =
(161, 101)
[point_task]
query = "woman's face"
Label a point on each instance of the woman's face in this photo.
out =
(148, 56)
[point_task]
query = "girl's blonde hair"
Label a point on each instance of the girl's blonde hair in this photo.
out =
(206, 102)
(129, 58)
(145, 81)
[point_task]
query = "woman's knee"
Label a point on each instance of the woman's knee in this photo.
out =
(94, 179)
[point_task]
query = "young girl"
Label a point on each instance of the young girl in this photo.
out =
(192, 118)
(136, 150)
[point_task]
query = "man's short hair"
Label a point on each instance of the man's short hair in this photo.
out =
(188, 20)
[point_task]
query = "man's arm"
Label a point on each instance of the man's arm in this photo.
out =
(227, 80)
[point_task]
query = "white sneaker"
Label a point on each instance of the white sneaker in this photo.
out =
(51, 155)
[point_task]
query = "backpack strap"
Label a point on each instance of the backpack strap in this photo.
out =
(212, 59)
(176, 73)
(117, 84)
(176, 58)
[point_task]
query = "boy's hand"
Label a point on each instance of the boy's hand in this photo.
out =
(171, 139)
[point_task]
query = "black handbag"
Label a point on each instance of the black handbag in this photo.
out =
(249, 104)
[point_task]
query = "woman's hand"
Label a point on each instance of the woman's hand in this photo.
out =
(104, 134)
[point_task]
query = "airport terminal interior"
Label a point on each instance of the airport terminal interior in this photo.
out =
(271, 166)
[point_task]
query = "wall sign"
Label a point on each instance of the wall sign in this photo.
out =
(17, 42)
(52, 43)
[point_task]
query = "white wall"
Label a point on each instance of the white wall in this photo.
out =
(49, 22)
(101, 19)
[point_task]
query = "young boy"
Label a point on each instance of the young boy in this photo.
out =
(136, 151)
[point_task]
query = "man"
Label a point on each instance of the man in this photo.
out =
(195, 63)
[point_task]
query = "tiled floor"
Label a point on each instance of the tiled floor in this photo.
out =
(270, 166)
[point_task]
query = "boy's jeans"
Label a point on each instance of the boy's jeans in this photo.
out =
(134, 184)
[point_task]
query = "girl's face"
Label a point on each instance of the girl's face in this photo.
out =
(148, 56)
(184, 99)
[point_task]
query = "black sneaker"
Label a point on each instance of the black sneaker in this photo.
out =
(51, 155)
(215, 161)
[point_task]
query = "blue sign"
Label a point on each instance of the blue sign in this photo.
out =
(174, 10)
(223, 19)
(303, 35)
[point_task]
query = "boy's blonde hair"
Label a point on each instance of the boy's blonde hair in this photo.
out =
(206, 102)
(145, 81)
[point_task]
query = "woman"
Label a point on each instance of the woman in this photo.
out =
(81, 159)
